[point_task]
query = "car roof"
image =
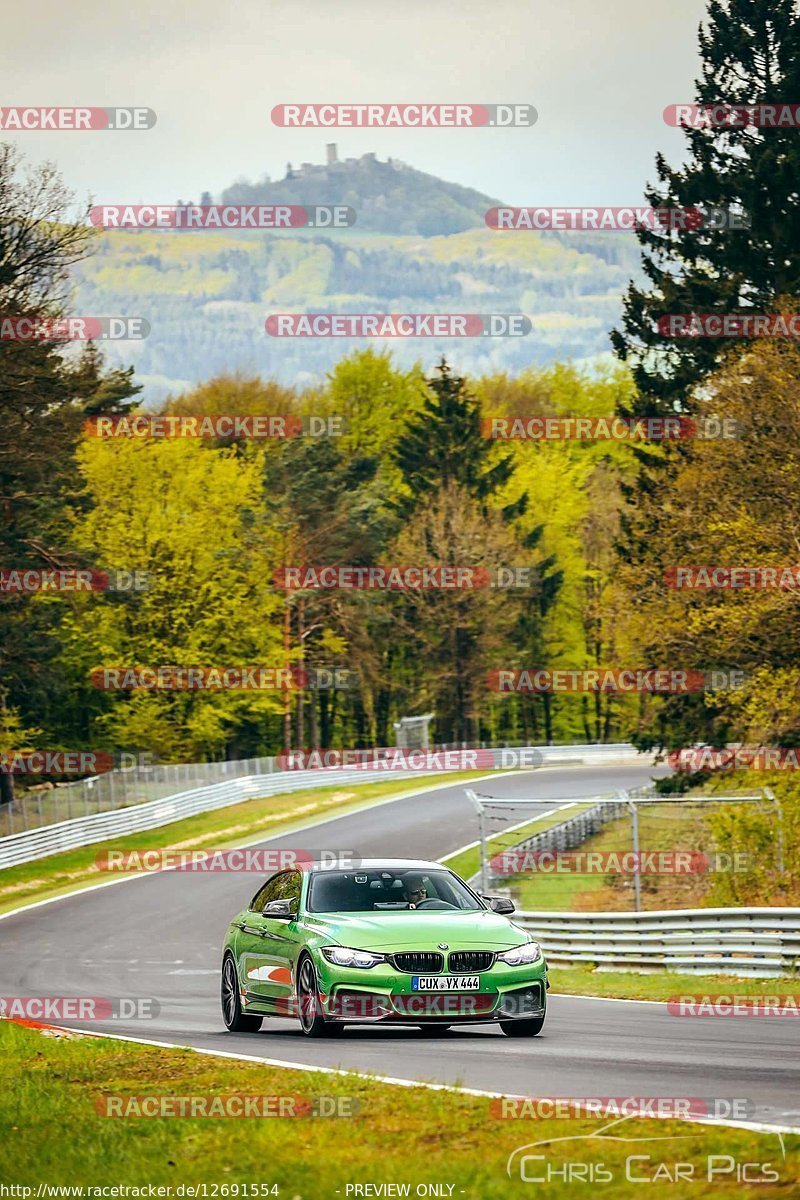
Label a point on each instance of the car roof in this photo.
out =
(386, 864)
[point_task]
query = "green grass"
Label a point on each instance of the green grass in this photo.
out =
(221, 828)
(662, 985)
(559, 893)
(53, 1133)
(664, 827)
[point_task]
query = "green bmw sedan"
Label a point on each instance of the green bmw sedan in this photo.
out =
(391, 941)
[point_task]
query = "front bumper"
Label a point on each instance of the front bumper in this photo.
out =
(383, 994)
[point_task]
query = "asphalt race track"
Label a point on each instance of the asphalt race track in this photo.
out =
(160, 936)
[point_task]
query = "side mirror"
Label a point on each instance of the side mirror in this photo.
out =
(280, 908)
(500, 905)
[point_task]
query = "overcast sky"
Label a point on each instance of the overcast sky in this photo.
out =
(600, 75)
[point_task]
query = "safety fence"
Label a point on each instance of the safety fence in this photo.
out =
(761, 942)
(142, 783)
(510, 847)
(98, 826)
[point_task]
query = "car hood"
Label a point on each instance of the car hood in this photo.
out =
(402, 931)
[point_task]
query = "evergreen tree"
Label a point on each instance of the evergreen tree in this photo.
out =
(750, 54)
(443, 447)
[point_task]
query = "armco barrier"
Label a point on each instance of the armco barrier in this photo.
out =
(151, 814)
(98, 827)
(760, 942)
(566, 835)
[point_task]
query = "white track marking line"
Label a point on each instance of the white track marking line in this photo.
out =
(521, 825)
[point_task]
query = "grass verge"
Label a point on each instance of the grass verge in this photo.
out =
(54, 1134)
(630, 985)
(664, 828)
(222, 828)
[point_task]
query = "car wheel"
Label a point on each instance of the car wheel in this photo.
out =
(235, 1020)
(529, 1027)
(309, 1006)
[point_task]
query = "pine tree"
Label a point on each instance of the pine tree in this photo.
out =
(443, 446)
(750, 53)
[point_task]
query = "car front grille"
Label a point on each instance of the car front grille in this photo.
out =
(413, 962)
(469, 962)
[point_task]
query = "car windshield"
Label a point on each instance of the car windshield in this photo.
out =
(389, 890)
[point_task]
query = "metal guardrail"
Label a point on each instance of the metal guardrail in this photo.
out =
(120, 788)
(142, 782)
(759, 942)
(266, 780)
(99, 827)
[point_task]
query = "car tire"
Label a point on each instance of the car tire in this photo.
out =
(309, 1009)
(235, 1020)
(528, 1027)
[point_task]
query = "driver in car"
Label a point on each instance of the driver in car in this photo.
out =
(414, 890)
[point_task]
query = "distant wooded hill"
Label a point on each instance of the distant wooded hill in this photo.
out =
(207, 294)
(389, 197)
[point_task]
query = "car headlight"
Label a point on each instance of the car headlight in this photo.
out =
(530, 952)
(344, 956)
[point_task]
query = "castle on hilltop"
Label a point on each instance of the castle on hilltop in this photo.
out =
(333, 164)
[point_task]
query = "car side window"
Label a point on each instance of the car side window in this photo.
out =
(291, 888)
(272, 890)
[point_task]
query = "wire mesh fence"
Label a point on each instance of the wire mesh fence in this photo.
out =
(49, 804)
(633, 850)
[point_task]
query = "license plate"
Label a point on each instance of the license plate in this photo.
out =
(445, 983)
